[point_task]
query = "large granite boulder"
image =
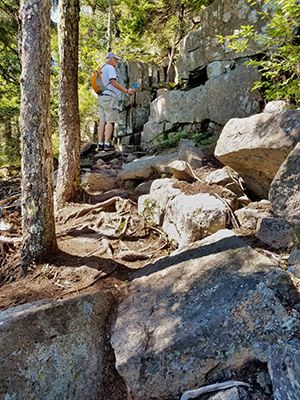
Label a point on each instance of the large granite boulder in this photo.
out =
(275, 232)
(184, 218)
(153, 166)
(257, 146)
(285, 189)
(56, 349)
(189, 218)
(192, 317)
(222, 17)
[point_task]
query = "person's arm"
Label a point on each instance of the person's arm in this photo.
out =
(120, 87)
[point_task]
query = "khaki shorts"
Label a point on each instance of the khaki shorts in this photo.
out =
(108, 108)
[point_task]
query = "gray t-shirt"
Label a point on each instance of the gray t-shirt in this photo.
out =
(108, 72)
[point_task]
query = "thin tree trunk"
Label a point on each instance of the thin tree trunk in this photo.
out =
(68, 186)
(7, 136)
(109, 23)
(178, 35)
(39, 240)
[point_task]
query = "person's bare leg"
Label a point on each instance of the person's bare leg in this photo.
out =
(101, 129)
(108, 131)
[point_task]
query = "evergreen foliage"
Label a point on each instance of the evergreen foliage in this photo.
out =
(9, 81)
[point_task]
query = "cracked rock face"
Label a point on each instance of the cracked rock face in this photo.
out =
(201, 47)
(192, 317)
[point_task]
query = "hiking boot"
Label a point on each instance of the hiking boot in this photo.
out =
(108, 147)
(100, 147)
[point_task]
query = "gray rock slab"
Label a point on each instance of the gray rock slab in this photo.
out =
(275, 106)
(219, 177)
(230, 95)
(257, 146)
(283, 365)
(142, 188)
(275, 232)
(187, 151)
(151, 131)
(146, 167)
(192, 317)
(181, 171)
(294, 262)
(92, 181)
(180, 106)
(55, 349)
(285, 188)
(230, 394)
(184, 218)
(249, 217)
(153, 206)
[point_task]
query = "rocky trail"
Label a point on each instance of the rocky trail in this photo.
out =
(170, 270)
(99, 246)
(104, 239)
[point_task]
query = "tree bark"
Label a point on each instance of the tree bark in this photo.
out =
(178, 35)
(109, 23)
(68, 186)
(39, 240)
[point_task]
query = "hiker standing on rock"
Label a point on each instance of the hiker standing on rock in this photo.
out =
(108, 102)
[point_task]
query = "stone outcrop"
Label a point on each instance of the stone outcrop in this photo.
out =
(192, 317)
(250, 216)
(257, 146)
(230, 95)
(172, 106)
(223, 96)
(188, 152)
(55, 350)
(285, 188)
(200, 48)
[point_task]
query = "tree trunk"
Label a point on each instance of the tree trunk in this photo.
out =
(109, 23)
(178, 35)
(7, 136)
(38, 224)
(68, 186)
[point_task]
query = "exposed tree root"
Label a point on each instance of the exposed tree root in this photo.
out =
(116, 226)
(94, 209)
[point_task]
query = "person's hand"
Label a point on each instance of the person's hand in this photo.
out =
(130, 91)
